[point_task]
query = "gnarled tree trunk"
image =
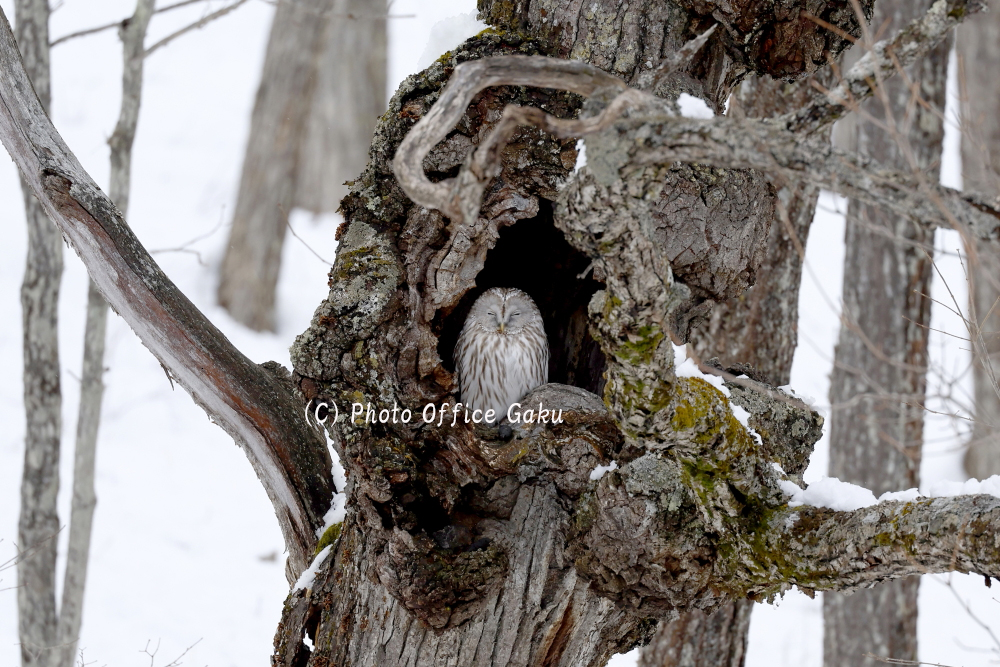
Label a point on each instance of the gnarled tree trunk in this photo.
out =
(880, 366)
(754, 332)
(717, 205)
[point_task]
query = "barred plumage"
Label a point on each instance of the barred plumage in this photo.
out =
(502, 352)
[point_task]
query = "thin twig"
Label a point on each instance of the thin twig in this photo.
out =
(194, 26)
(185, 247)
(118, 24)
(288, 223)
(897, 661)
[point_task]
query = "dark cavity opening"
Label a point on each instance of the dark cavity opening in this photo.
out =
(533, 256)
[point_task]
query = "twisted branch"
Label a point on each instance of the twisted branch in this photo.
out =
(781, 148)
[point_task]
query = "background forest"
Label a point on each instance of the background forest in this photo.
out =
(186, 554)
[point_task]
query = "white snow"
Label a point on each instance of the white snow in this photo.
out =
(686, 367)
(808, 400)
(338, 507)
(947, 489)
(581, 155)
(829, 492)
(834, 494)
(694, 107)
(743, 417)
(308, 576)
(599, 471)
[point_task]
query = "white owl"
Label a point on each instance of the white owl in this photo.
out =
(502, 352)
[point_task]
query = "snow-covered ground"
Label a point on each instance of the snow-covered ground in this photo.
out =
(186, 550)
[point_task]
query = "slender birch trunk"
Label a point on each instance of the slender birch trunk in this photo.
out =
(880, 366)
(132, 34)
(38, 526)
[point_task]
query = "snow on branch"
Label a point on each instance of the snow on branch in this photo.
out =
(250, 402)
(820, 549)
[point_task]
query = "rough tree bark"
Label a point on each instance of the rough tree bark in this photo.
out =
(979, 49)
(880, 365)
(38, 525)
(755, 332)
(321, 91)
(462, 547)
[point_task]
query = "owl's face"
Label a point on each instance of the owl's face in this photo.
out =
(504, 310)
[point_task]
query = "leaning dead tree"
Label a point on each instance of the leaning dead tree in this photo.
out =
(464, 547)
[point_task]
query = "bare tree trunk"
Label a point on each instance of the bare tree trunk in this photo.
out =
(38, 526)
(979, 49)
(757, 329)
(880, 367)
(132, 34)
(700, 640)
(347, 98)
(321, 91)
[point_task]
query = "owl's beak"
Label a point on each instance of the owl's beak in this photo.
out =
(502, 326)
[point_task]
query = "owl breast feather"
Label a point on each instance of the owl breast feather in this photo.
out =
(496, 370)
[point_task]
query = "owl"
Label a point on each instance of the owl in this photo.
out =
(502, 352)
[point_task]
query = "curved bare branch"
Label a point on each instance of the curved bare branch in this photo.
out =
(778, 147)
(250, 403)
(788, 157)
(468, 79)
